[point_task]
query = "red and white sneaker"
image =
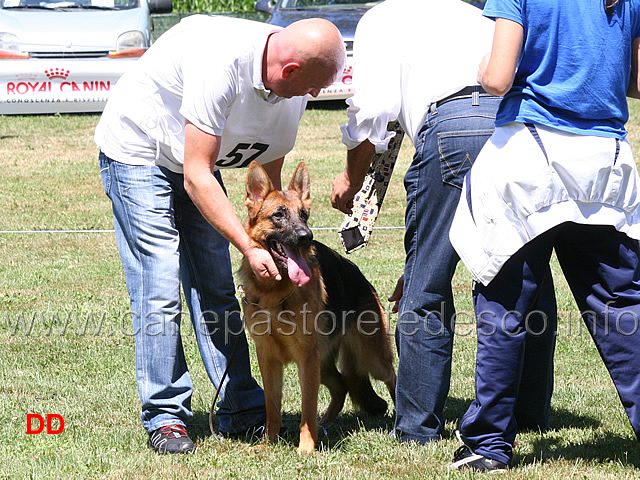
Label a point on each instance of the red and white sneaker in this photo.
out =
(171, 439)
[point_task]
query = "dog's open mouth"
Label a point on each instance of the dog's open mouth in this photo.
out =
(297, 268)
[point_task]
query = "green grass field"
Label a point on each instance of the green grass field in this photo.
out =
(68, 348)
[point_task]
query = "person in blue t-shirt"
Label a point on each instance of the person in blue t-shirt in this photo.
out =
(556, 174)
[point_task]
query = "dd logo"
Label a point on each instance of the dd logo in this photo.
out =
(51, 430)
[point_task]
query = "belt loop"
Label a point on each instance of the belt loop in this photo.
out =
(534, 131)
(433, 108)
(475, 95)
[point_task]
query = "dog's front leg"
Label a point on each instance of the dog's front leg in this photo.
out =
(271, 370)
(309, 375)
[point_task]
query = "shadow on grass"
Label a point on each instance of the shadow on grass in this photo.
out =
(329, 437)
(605, 447)
(558, 418)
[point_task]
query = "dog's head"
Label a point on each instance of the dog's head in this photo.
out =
(277, 220)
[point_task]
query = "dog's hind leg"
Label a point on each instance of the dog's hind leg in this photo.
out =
(333, 380)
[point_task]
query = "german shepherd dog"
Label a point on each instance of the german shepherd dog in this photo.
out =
(321, 313)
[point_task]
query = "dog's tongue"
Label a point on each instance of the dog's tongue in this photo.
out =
(299, 271)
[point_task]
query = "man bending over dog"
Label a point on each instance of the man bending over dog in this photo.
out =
(416, 61)
(170, 125)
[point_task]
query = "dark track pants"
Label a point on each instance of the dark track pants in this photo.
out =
(602, 267)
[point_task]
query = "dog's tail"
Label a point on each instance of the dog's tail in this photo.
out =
(364, 396)
(355, 370)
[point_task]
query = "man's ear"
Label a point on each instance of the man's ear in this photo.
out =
(289, 69)
(258, 187)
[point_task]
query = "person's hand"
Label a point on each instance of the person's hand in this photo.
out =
(262, 264)
(343, 192)
(482, 67)
(396, 296)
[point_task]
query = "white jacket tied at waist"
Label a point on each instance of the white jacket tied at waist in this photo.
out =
(520, 187)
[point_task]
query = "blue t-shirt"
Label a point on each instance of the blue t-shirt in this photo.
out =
(574, 66)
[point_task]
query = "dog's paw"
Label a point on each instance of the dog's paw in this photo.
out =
(307, 444)
(306, 449)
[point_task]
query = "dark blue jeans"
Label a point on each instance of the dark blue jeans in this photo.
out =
(602, 267)
(449, 142)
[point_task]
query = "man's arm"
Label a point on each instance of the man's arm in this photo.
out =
(200, 153)
(274, 170)
(348, 183)
(497, 71)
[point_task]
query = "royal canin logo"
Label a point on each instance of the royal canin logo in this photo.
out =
(56, 82)
(57, 73)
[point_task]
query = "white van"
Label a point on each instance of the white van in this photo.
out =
(66, 55)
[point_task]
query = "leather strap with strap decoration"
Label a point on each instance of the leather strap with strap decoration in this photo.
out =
(357, 226)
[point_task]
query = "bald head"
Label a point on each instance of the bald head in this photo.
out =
(303, 58)
(316, 41)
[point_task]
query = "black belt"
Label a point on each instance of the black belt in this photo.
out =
(466, 92)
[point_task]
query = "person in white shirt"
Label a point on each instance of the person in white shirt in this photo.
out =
(211, 93)
(416, 61)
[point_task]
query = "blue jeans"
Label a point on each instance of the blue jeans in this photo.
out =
(602, 267)
(163, 240)
(447, 145)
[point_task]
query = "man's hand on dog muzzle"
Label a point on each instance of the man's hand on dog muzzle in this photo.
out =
(262, 264)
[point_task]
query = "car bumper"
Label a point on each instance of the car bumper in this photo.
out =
(58, 85)
(339, 90)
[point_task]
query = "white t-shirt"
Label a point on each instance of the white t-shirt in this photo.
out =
(208, 70)
(408, 54)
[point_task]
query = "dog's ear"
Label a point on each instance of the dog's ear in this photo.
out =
(258, 187)
(301, 185)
